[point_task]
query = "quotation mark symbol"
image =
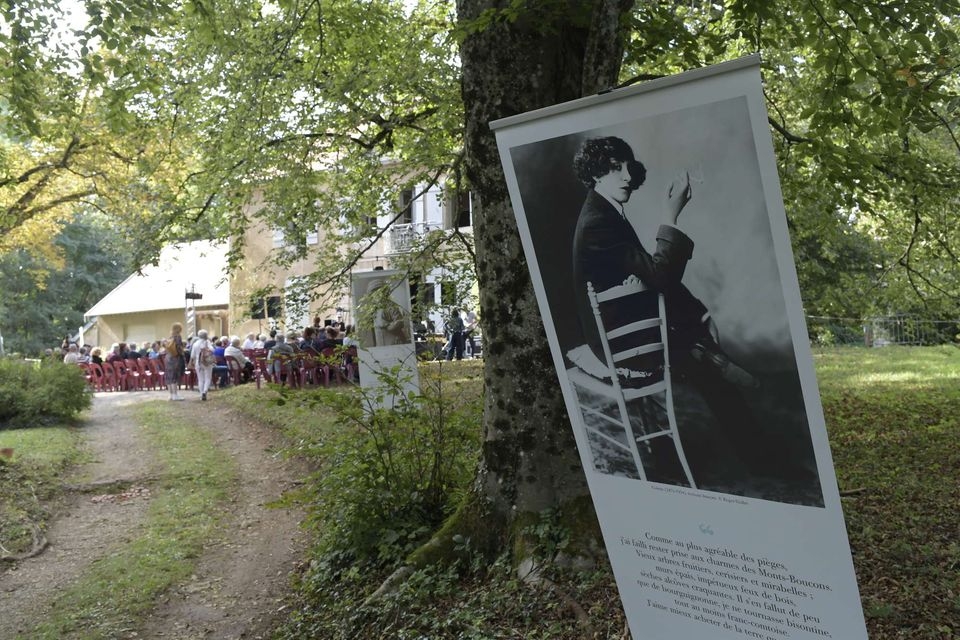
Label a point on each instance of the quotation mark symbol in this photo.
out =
(707, 529)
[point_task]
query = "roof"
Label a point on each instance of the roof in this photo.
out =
(195, 266)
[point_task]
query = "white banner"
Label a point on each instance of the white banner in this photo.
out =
(385, 332)
(654, 227)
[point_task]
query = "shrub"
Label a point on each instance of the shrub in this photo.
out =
(391, 476)
(31, 394)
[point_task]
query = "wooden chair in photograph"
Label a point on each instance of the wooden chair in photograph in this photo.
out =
(641, 338)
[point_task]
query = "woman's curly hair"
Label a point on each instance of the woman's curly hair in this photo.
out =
(597, 157)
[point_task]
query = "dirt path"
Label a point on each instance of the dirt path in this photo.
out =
(237, 589)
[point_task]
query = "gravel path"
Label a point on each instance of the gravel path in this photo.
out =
(238, 587)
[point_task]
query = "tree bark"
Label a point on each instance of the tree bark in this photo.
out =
(551, 53)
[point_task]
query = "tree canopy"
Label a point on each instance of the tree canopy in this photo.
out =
(172, 117)
(42, 300)
(169, 116)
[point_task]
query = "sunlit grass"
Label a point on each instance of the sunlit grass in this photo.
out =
(893, 416)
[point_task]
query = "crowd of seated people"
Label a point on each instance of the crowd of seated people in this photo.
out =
(332, 340)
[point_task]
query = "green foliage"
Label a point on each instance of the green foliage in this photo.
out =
(390, 475)
(31, 479)
(34, 395)
(894, 433)
(44, 299)
(476, 602)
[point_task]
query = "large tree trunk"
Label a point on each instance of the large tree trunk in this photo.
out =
(566, 50)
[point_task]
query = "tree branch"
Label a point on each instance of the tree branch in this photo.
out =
(787, 135)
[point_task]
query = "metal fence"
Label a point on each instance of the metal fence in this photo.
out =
(902, 329)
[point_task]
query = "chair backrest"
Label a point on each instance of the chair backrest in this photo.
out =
(110, 379)
(96, 372)
(156, 365)
(235, 368)
(631, 321)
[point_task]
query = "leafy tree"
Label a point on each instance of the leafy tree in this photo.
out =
(332, 107)
(42, 300)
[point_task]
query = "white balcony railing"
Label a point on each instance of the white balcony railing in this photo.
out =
(403, 236)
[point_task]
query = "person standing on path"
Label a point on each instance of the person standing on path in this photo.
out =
(455, 329)
(202, 361)
(173, 363)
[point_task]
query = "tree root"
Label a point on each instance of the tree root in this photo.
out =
(532, 576)
(852, 492)
(472, 529)
(40, 543)
(116, 483)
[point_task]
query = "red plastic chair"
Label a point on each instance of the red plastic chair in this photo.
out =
(235, 370)
(147, 379)
(313, 370)
(188, 379)
(134, 378)
(109, 376)
(88, 375)
(288, 369)
(156, 368)
(351, 364)
(332, 359)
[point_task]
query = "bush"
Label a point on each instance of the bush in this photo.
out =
(391, 477)
(32, 394)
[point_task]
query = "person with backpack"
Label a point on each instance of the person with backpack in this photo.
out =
(202, 360)
(173, 363)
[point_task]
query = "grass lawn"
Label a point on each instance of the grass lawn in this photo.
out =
(893, 415)
(31, 479)
(184, 515)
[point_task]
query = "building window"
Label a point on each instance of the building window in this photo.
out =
(297, 303)
(313, 237)
(463, 214)
(406, 207)
(279, 238)
(448, 294)
(264, 307)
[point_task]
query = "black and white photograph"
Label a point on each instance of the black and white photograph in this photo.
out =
(385, 334)
(660, 223)
(656, 237)
(383, 312)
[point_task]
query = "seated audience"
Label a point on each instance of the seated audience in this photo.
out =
(246, 366)
(331, 338)
(115, 352)
(272, 340)
(73, 354)
(282, 348)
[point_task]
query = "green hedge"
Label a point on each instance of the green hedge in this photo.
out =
(33, 394)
